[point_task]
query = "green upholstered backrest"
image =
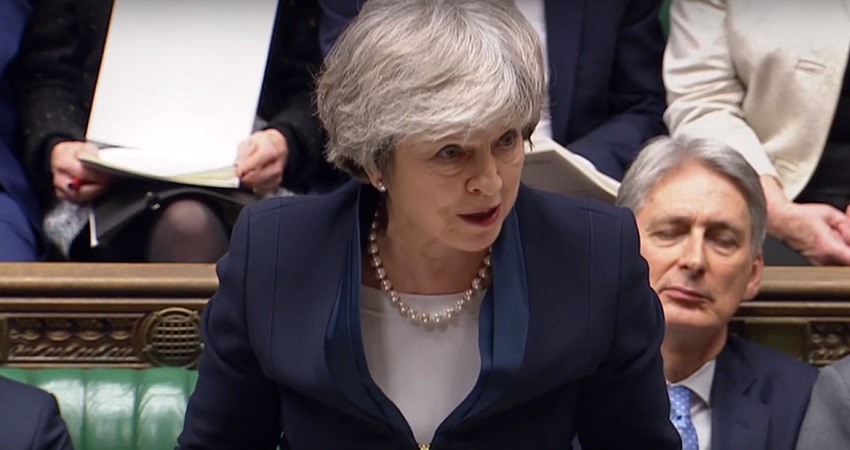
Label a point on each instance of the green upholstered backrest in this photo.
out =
(664, 16)
(117, 409)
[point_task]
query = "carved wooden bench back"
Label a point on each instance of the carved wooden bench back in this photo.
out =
(141, 315)
(102, 315)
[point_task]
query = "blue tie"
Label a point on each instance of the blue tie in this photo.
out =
(680, 415)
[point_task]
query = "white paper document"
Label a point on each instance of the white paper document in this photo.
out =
(551, 167)
(179, 83)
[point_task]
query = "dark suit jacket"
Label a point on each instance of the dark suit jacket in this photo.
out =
(759, 397)
(29, 419)
(606, 92)
(13, 181)
(570, 335)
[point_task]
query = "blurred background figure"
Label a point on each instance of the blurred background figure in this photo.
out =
(736, 72)
(606, 95)
(153, 221)
(20, 218)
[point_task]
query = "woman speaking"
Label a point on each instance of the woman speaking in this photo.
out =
(436, 303)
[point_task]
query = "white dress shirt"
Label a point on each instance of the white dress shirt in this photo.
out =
(700, 383)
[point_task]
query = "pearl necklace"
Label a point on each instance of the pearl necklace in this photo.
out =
(478, 283)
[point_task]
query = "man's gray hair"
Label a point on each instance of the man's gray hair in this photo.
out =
(665, 155)
(429, 69)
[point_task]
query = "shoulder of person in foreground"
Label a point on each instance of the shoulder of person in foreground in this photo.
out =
(826, 425)
(604, 240)
(30, 419)
(305, 206)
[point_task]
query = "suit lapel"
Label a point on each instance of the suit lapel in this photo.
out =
(563, 39)
(738, 420)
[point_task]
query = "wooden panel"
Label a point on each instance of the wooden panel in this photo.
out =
(138, 315)
(102, 315)
(107, 280)
(804, 311)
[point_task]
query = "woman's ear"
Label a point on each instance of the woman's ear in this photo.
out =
(376, 180)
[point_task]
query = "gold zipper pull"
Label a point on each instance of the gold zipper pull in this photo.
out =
(424, 446)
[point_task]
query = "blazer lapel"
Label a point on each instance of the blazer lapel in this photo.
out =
(344, 353)
(503, 327)
(563, 39)
(303, 291)
(738, 420)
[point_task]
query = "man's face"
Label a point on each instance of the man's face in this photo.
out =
(695, 235)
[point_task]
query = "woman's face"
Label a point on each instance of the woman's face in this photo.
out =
(456, 191)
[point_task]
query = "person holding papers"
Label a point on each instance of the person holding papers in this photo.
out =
(153, 221)
(435, 301)
(20, 219)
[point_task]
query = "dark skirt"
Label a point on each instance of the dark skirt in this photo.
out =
(123, 217)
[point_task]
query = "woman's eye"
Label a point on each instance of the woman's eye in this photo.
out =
(508, 139)
(449, 153)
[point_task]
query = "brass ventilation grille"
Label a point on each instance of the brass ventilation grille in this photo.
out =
(171, 337)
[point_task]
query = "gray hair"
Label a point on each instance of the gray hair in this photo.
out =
(664, 155)
(427, 68)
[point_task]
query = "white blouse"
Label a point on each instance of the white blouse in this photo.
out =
(426, 371)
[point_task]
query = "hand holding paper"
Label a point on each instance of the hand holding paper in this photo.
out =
(261, 160)
(177, 103)
(72, 180)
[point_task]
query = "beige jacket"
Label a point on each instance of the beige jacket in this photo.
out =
(763, 76)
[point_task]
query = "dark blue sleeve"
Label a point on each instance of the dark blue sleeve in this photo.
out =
(624, 404)
(636, 99)
(234, 405)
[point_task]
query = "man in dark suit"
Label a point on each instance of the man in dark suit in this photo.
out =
(19, 214)
(29, 419)
(701, 215)
(606, 95)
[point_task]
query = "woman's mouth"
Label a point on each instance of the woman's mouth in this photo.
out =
(483, 218)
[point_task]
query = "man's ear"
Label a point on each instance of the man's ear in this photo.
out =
(754, 283)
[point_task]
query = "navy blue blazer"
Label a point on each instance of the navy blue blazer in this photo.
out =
(607, 96)
(29, 419)
(759, 397)
(570, 332)
(13, 181)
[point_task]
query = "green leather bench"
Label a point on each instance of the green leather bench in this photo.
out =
(117, 409)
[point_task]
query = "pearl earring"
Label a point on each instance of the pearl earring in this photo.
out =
(382, 187)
